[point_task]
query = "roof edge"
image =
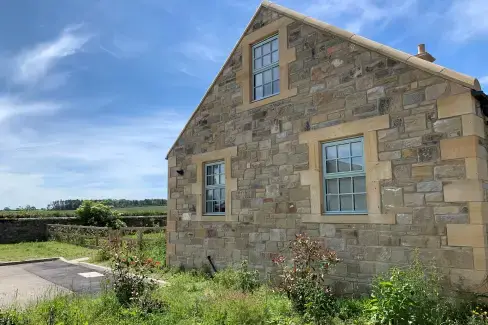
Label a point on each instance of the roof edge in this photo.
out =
(386, 50)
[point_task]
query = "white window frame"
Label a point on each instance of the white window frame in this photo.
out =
(214, 187)
(335, 174)
(260, 70)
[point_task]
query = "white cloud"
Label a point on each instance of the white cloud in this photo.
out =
(122, 159)
(32, 65)
(11, 106)
(467, 20)
(354, 15)
(206, 47)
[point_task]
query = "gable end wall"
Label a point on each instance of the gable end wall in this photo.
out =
(426, 166)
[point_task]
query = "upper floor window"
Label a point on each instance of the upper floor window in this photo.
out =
(265, 68)
(344, 177)
(215, 188)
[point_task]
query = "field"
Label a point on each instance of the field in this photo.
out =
(131, 211)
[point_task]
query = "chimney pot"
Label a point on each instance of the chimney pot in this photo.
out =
(421, 48)
(422, 54)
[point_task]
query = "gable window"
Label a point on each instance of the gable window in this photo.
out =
(215, 188)
(265, 68)
(344, 177)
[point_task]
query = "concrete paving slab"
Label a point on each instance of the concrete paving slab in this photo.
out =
(19, 287)
(25, 283)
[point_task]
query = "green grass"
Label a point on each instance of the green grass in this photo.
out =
(189, 299)
(132, 211)
(33, 250)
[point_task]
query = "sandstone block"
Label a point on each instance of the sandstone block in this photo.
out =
(435, 91)
(415, 123)
(413, 97)
(450, 126)
(431, 186)
(414, 199)
(392, 197)
(376, 93)
(356, 100)
(327, 230)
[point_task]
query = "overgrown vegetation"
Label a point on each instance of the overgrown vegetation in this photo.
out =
(411, 295)
(303, 276)
(99, 215)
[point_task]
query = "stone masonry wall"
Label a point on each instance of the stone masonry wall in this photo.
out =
(337, 82)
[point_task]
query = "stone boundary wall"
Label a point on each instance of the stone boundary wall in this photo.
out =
(35, 229)
(97, 237)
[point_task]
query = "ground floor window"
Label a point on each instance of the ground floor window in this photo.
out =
(344, 177)
(215, 188)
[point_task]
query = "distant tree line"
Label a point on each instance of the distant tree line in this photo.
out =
(60, 205)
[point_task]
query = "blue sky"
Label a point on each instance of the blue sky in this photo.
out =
(93, 93)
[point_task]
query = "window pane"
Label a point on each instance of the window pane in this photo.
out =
(330, 166)
(221, 168)
(346, 203)
(275, 57)
(267, 89)
(332, 203)
(216, 194)
(222, 206)
(267, 76)
(216, 206)
(332, 187)
(222, 194)
(344, 165)
(258, 79)
(274, 45)
(343, 150)
(357, 149)
(209, 207)
(209, 195)
(209, 170)
(216, 178)
(222, 179)
(257, 64)
(257, 52)
(215, 169)
(357, 163)
(266, 60)
(360, 202)
(359, 184)
(266, 48)
(258, 93)
(276, 73)
(345, 185)
(276, 87)
(331, 152)
(210, 180)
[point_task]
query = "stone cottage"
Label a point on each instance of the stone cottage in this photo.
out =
(312, 129)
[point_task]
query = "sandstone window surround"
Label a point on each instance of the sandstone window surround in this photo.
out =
(201, 161)
(244, 77)
(375, 170)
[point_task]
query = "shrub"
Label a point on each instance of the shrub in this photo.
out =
(241, 279)
(98, 214)
(131, 283)
(303, 280)
(410, 296)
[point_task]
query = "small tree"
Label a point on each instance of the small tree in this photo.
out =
(98, 214)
